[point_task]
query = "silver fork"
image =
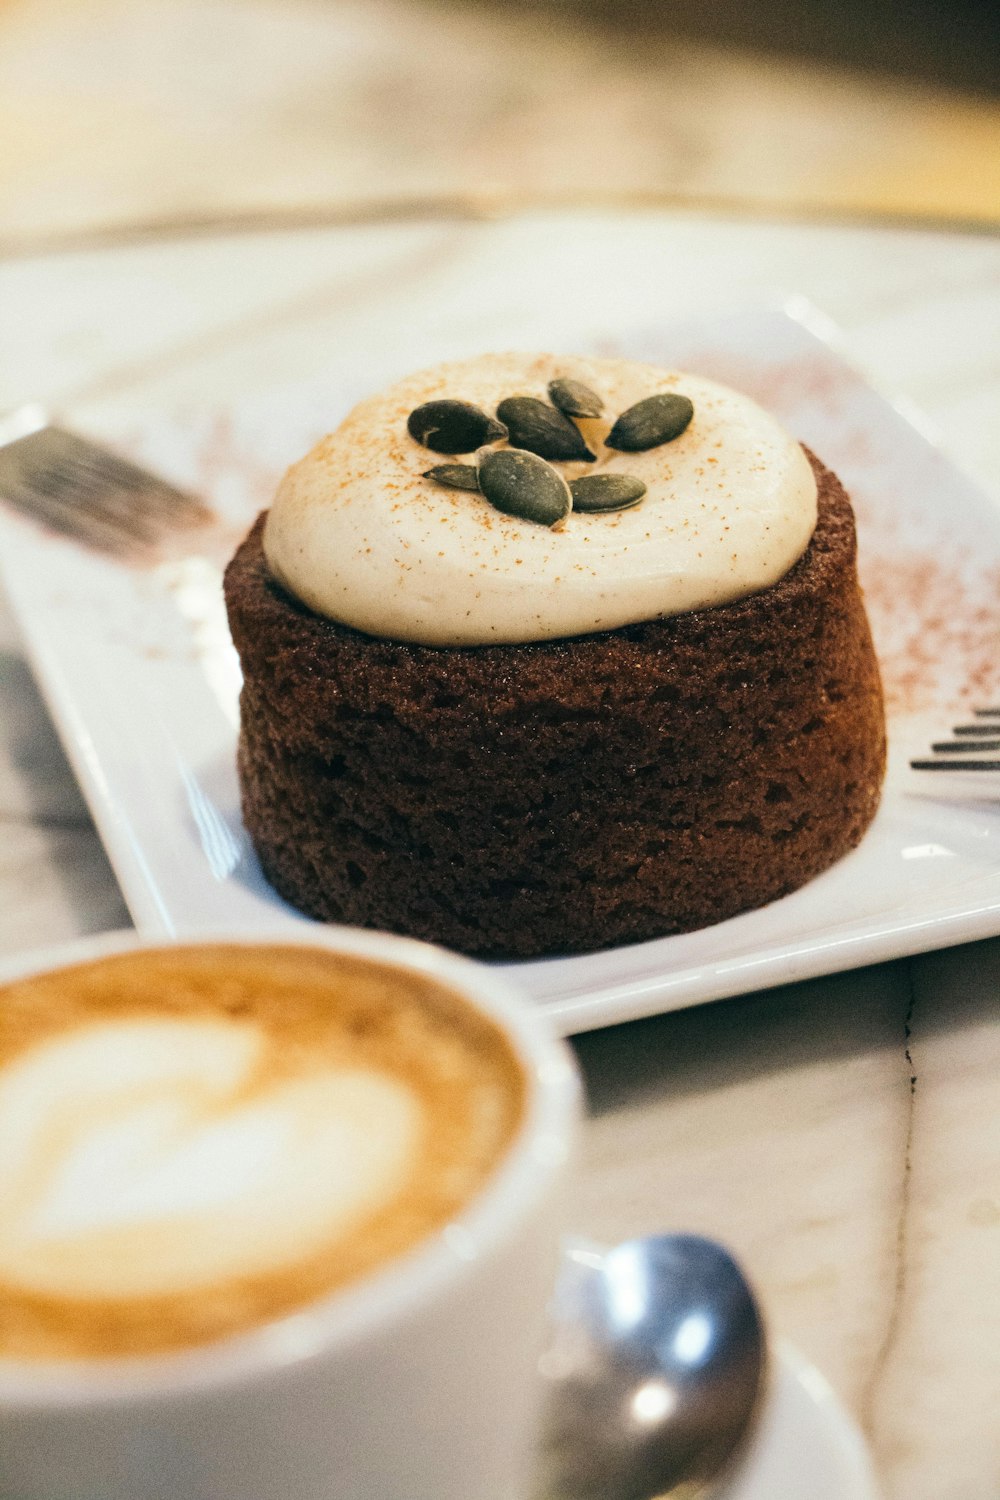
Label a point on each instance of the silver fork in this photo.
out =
(970, 740)
(86, 491)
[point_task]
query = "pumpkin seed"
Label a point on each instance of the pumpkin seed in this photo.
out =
(574, 398)
(453, 427)
(537, 427)
(454, 476)
(594, 430)
(647, 424)
(606, 492)
(524, 485)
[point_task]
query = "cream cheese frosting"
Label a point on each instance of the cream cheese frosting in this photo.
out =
(359, 535)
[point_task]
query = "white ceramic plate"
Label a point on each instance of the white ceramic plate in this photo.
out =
(142, 682)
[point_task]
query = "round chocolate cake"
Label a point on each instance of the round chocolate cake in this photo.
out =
(561, 795)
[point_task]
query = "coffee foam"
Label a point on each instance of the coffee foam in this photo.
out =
(151, 1157)
(192, 1141)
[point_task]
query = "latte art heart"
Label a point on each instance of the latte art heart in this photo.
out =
(199, 1140)
(153, 1156)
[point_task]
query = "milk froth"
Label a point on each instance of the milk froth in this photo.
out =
(196, 1140)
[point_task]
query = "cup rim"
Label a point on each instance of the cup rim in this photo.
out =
(345, 1317)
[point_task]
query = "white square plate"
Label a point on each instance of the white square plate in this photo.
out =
(142, 681)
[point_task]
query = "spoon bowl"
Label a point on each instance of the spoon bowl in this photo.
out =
(654, 1370)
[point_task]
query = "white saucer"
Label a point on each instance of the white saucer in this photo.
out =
(804, 1445)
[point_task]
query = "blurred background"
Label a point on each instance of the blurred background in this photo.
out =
(143, 116)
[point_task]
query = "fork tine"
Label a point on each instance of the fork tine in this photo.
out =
(964, 747)
(955, 765)
(90, 493)
(965, 752)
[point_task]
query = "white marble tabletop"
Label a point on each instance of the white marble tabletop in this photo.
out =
(203, 112)
(843, 1135)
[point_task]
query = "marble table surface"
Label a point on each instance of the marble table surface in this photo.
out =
(200, 112)
(843, 1135)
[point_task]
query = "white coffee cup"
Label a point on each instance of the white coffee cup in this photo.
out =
(418, 1382)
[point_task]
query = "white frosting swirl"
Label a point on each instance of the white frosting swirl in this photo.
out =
(357, 534)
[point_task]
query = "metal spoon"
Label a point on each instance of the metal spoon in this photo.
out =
(653, 1371)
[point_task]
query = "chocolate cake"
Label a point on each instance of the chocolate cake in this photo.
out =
(562, 795)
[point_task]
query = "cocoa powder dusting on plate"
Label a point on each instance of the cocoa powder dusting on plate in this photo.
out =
(936, 623)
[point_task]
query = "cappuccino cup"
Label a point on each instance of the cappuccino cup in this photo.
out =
(279, 1219)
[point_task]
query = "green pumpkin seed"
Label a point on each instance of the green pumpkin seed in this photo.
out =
(454, 476)
(647, 424)
(606, 492)
(575, 399)
(524, 485)
(537, 427)
(453, 427)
